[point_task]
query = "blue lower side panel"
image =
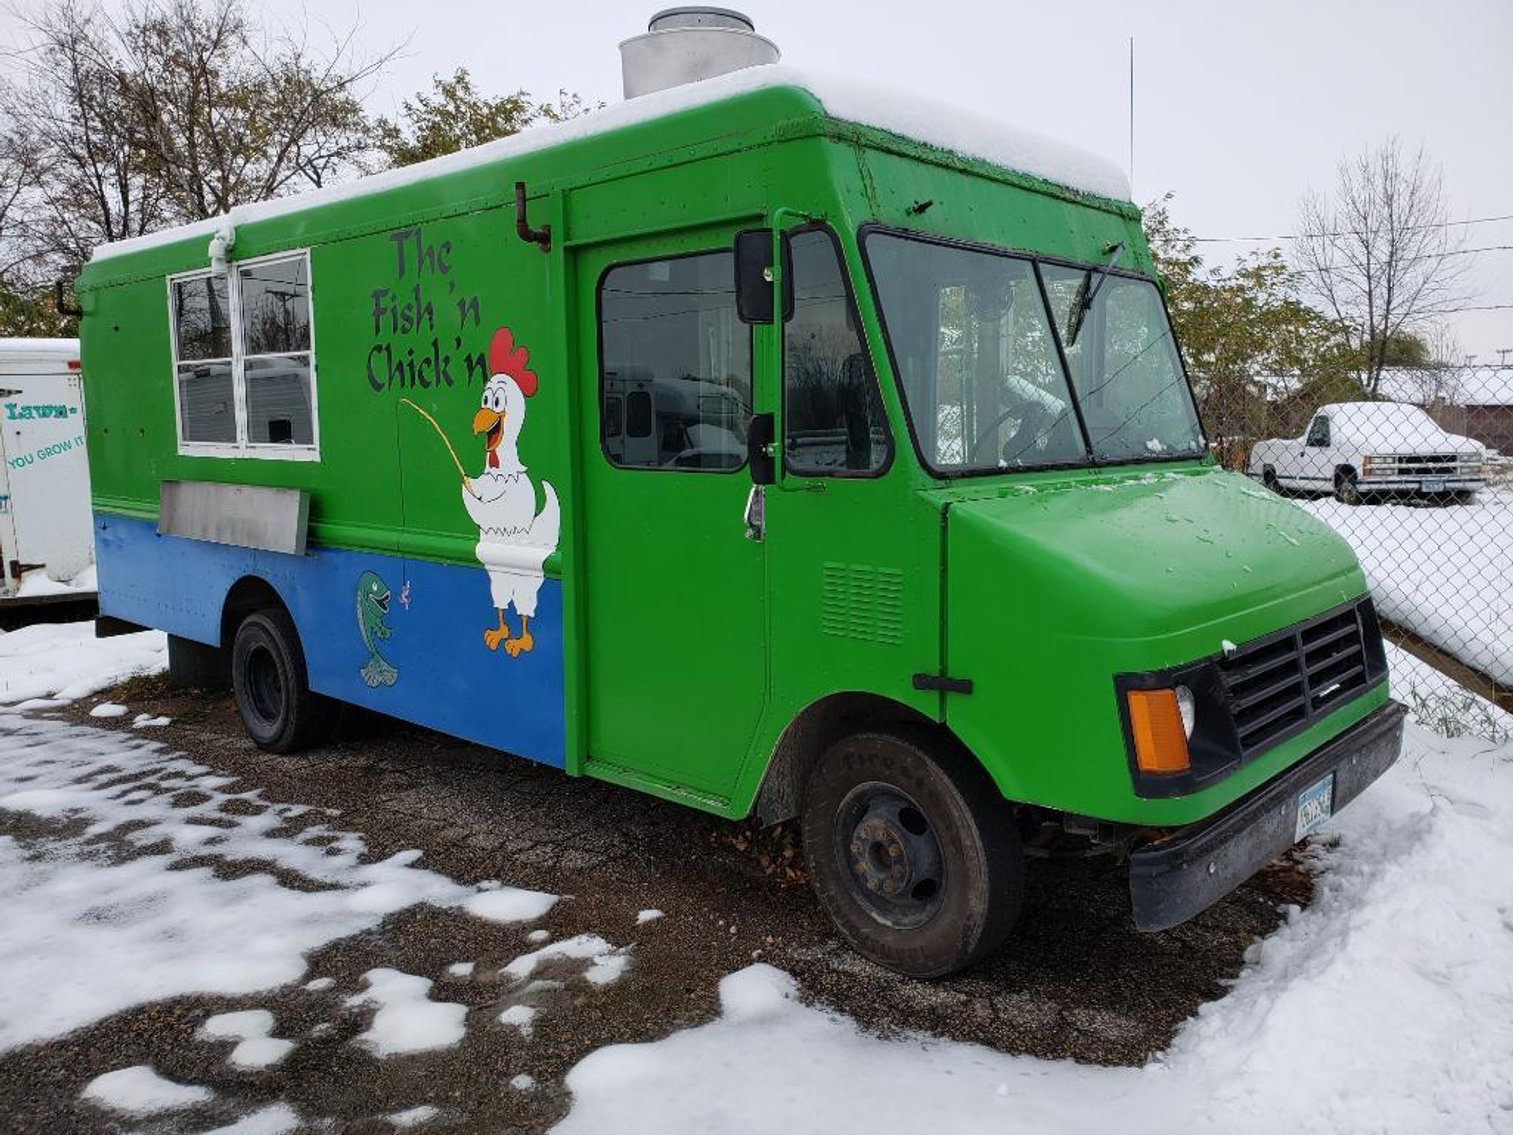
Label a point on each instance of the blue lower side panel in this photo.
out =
(401, 636)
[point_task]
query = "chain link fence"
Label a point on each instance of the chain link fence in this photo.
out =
(1419, 480)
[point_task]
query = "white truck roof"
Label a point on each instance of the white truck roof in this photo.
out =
(17, 355)
(1390, 423)
(958, 130)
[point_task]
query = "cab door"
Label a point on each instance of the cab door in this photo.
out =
(675, 593)
(1317, 465)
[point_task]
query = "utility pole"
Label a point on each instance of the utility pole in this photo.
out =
(1132, 115)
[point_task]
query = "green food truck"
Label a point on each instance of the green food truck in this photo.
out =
(761, 443)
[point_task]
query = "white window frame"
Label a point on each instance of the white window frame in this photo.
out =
(243, 447)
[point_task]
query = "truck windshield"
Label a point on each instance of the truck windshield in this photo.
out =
(977, 355)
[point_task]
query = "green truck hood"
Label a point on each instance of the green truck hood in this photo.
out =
(1052, 589)
(1157, 556)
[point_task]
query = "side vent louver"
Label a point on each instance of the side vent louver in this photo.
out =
(863, 602)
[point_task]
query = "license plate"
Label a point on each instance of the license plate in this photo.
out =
(1315, 805)
(1437, 485)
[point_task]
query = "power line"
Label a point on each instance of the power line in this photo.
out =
(1352, 232)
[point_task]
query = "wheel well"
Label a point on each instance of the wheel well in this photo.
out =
(247, 595)
(820, 725)
(1343, 471)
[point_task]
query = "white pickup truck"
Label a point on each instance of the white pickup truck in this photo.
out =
(1360, 449)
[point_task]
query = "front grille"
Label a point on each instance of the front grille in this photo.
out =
(1427, 462)
(1279, 685)
(1425, 465)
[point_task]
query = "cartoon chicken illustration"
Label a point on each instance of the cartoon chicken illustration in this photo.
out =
(513, 538)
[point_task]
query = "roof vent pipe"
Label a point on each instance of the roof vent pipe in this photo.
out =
(685, 45)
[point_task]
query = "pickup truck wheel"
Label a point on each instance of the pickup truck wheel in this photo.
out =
(279, 710)
(1269, 479)
(912, 852)
(1346, 490)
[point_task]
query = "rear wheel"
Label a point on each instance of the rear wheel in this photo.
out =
(912, 852)
(1346, 490)
(279, 710)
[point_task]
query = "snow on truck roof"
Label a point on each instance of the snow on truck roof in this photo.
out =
(969, 133)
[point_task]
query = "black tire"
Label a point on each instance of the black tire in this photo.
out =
(279, 710)
(873, 805)
(1346, 490)
(1269, 479)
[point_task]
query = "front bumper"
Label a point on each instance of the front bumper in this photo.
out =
(1177, 878)
(1448, 484)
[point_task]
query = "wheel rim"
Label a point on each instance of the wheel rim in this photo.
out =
(265, 692)
(887, 846)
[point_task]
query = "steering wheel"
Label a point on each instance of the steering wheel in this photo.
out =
(1028, 411)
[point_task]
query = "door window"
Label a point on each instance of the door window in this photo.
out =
(833, 423)
(1318, 434)
(673, 352)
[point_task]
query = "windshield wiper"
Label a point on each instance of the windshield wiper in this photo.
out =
(1088, 292)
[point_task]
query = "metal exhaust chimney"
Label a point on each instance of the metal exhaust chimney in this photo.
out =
(684, 45)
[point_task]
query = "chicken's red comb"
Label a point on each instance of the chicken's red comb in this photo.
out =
(506, 358)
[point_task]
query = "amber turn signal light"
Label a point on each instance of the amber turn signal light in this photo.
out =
(1156, 724)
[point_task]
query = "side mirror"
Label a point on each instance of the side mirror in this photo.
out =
(753, 276)
(759, 437)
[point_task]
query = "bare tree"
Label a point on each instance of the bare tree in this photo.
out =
(224, 113)
(177, 111)
(63, 122)
(1381, 253)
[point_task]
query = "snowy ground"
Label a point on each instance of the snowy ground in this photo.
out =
(1442, 573)
(1387, 1006)
(133, 874)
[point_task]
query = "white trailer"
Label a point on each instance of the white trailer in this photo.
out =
(46, 538)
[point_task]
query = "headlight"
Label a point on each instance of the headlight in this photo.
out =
(1187, 706)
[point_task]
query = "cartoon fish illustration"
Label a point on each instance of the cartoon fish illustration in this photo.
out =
(372, 613)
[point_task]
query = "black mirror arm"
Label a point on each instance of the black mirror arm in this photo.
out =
(760, 434)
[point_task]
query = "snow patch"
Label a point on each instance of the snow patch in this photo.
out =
(61, 662)
(607, 962)
(148, 721)
(275, 1119)
(413, 1117)
(521, 1016)
(461, 969)
(407, 1019)
(647, 916)
(109, 709)
(509, 904)
(141, 1091)
(523, 1082)
(539, 936)
(253, 1029)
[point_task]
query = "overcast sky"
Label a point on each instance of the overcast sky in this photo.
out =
(1239, 107)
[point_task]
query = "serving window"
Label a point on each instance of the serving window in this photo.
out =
(244, 361)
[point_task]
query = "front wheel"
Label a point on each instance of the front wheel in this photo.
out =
(1346, 489)
(912, 852)
(279, 710)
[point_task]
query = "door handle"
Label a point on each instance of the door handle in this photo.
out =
(756, 513)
